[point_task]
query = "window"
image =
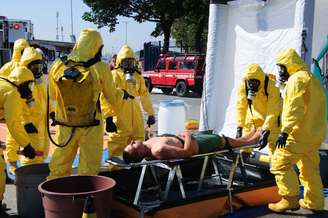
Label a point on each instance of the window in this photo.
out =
(173, 65)
(161, 65)
(4, 56)
(187, 65)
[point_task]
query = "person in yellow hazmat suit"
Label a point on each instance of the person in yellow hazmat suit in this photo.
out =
(34, 117)
(19, 46)
(15, 91)
(75, 84)
(18, 49)
(259, 105)
(302, 132)
(124, 121)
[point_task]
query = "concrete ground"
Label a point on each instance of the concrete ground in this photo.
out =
(193, 109)
(192, 106)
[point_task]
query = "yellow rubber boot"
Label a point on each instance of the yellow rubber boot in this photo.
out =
(304, 206)
(286, 203)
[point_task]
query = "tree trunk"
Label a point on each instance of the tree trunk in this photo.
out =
(167, 35)
(199, 34)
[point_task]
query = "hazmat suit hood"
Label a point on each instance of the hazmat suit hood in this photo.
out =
(125, 52)
(19, 46)
(29, 55)
(20, 75)
(291, 60)
(254, 71)
(87, 46)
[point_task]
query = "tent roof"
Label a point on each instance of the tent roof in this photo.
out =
(222, 1)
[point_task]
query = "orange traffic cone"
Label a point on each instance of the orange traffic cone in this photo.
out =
(89, 208)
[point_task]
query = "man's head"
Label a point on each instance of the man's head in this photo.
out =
(254, 78)
(126, 60)
(89, 45)
(32, 60)
(44, 67)
(24, 80)
(282, 75)
(125, 53)
(128, 64)
(290, 60)
(19, 46)
(135, 152)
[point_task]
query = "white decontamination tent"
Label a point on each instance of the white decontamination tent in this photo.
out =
(253, 31)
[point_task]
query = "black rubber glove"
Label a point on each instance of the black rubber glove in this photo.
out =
(264, 139)
(281, 141)
(29, 151)
(227, 144)
(239, 132)
(52, 116)
(110, 125)
(127, 95)
(30, 128)
(151, 120)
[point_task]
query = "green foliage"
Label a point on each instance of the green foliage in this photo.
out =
(163, 12)
(191, 29)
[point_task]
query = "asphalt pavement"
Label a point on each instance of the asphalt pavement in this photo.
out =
(192, 103)
(193, 110)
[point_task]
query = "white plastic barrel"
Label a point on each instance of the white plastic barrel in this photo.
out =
(171, 116)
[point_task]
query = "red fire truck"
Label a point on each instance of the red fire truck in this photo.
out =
(183, 72)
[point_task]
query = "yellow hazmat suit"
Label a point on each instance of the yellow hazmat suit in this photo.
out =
(127, 115)
(88, 139)
(19, 46)
(11, 111)
(266, 108)
(35, 115)
(304, 120)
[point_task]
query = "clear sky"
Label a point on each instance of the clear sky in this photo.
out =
(42, 13)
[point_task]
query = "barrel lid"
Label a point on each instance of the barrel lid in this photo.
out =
(171, 102)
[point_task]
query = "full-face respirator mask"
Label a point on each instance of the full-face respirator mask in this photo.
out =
(37, 69)
(282, 76)
(252, 86)
(128, 66)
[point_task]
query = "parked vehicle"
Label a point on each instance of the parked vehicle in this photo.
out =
(13, 29)
(183, 72)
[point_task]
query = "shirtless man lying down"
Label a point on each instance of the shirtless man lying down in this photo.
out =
(185, 145)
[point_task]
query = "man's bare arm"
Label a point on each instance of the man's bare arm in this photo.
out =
(249, 134)
(187, 142)
(249, 139)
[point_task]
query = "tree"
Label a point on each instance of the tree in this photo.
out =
(192, 28)
(163, 12)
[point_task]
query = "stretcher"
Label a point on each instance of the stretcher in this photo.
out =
(173, 166)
